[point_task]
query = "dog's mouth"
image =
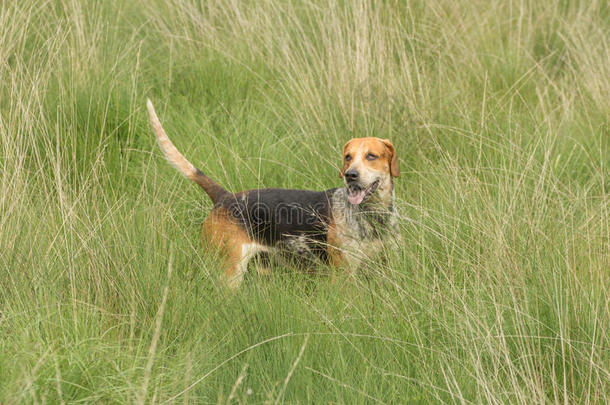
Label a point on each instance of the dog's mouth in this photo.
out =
(356, 194)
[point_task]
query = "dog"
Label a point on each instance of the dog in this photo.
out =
(340, 226)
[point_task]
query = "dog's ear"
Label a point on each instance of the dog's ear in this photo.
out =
(394, 171)
(345, 165)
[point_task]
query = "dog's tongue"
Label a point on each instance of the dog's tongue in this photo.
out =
(356, 196)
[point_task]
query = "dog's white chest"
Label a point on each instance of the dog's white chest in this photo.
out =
(361, 234)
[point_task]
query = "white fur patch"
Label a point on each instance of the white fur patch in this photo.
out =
(248, 251)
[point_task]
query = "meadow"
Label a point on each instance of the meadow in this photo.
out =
(500, 113)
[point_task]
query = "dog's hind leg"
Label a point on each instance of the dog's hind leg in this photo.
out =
(222, 234)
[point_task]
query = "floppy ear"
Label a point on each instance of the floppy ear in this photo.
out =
(394, 171)
(345, 165)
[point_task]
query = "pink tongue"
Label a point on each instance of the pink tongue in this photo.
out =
(356, 197)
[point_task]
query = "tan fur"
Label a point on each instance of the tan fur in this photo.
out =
(333, 238)
(384, 168)
(174, 157)
(358, 148)
(221, 234)
(178, 161)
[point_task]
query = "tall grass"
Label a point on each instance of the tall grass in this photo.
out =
(500, 113)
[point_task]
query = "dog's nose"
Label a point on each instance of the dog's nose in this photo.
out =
(351, 175)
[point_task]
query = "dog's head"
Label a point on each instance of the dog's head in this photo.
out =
(368, 167)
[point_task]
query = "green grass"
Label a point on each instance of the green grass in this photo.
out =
(500, 114)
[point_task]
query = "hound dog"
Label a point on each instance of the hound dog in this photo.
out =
(339, 226)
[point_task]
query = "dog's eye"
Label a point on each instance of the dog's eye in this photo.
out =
(370, 156)
(348, 158)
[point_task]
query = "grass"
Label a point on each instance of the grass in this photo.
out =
(499, 111)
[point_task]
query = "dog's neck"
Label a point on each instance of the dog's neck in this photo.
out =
(376, 215)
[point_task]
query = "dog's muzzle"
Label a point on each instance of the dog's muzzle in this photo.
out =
(356, 193)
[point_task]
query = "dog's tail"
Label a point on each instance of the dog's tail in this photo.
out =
(175, 158)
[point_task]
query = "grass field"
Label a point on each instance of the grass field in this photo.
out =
(499, 110)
